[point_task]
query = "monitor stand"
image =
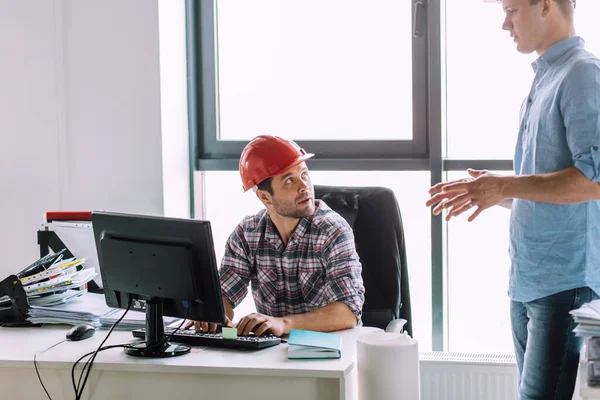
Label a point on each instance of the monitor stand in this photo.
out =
(156, 344)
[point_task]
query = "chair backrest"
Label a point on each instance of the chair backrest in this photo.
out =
(374, 216)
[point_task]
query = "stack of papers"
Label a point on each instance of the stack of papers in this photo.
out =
(89, 308)
(85, 309)
(56, 298)
(133, 319)
(587, 318)
(51, 279)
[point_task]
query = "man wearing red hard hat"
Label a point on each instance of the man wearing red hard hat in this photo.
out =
(298, 254)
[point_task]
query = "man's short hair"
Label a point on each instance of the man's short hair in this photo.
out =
(564, 4)
(266, 185)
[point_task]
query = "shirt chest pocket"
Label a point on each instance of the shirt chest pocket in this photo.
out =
(267, 283)
(312, 283)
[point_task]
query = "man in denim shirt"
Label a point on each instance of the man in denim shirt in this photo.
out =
(554, 197)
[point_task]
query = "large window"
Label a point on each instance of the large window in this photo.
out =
(342, 77)
(487, 79)
(315, 70)
(478, 268)
(586, 24)
(401, 94)
(486, 82)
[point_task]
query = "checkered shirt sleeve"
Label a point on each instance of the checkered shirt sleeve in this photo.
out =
(236, 270)
(343, 273)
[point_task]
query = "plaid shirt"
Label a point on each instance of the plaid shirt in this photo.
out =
(318, 266)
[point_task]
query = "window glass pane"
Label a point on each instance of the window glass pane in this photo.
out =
(478, 268)
(487, 80)
(586, 24)
(315, 70)
(226, 205)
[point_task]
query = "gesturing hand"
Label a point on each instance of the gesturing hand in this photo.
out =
(261, 324)
(482, 190)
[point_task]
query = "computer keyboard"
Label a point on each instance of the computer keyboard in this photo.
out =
(194, 338)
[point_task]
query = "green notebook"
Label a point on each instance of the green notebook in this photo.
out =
(310, 344)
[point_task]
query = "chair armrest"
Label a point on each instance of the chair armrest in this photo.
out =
(396, 325)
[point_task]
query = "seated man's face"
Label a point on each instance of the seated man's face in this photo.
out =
(293, 193)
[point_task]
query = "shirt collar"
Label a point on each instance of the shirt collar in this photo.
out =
(272, 235)
(556, 51)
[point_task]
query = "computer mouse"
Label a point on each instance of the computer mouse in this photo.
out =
(80, 332)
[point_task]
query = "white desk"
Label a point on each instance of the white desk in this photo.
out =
(206, 373)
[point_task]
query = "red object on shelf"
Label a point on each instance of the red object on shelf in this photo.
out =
(68, 216)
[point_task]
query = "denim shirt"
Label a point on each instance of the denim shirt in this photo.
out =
(555, 247)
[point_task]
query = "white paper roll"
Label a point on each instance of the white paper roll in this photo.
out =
(388, 366)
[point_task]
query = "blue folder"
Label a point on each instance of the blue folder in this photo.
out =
(313, 345)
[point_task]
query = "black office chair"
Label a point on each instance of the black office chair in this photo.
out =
(374, 216)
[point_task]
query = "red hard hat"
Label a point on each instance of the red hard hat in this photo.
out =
(266, 156)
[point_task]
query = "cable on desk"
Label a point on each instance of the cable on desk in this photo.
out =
(79, 390)
(36, 368)
(76, 387)
(167, 338)
(88, 364)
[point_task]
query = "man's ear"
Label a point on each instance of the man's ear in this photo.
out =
(264, 197)
(547, 7)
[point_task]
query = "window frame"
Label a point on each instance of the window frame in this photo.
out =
(213, 154)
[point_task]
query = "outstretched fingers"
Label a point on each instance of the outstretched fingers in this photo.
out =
(458, 209)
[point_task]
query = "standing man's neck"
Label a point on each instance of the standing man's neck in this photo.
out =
(555, 36)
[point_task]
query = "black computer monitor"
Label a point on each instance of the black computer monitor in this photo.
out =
(167, 265)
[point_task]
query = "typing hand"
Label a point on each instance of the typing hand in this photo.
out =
(261, 324)
(201, 326)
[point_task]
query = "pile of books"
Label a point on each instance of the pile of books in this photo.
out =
(54, 280)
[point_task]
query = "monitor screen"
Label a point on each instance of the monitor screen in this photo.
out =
(166, 265)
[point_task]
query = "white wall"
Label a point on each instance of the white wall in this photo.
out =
(174, 111)
(80, 105)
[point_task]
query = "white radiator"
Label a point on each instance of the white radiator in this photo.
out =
(459, 376)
